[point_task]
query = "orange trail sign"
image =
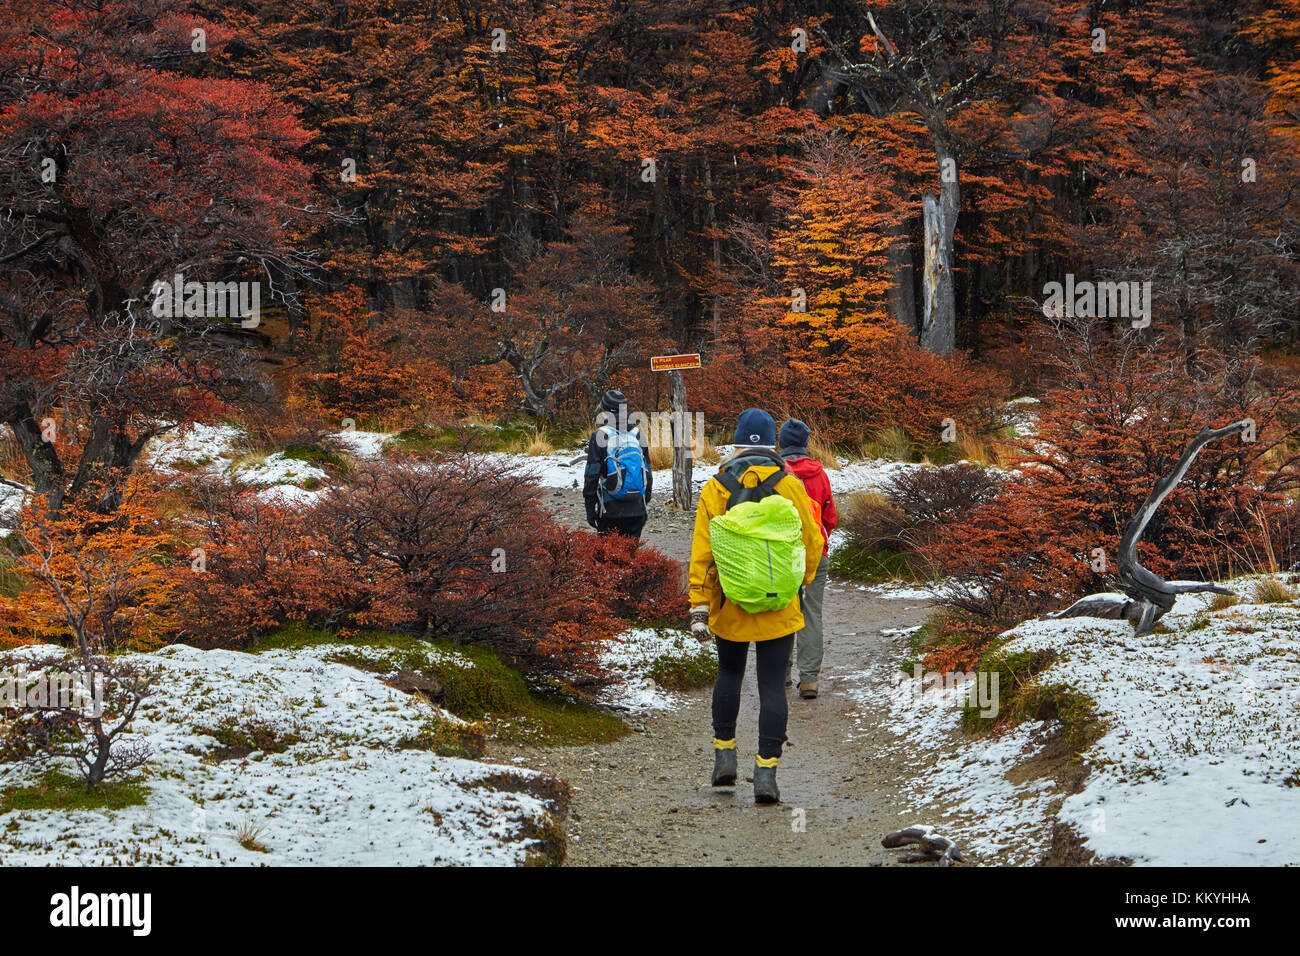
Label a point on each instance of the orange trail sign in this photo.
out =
(671, 363)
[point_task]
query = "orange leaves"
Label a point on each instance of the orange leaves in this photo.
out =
(362, 377)
(837, 217)
(105, 581)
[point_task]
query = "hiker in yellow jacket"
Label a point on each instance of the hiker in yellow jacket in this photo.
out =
(733, 628)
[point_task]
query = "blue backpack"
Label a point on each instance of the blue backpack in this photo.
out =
(624, 465)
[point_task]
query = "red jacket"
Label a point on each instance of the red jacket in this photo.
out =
(818, 486)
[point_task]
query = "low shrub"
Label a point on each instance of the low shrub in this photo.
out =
(885, 530)
(1273, 590)
(642, 584)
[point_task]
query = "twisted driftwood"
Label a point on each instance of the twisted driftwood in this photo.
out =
(931, 846)
(1149, 596)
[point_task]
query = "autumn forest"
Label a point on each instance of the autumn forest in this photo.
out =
(289, 289)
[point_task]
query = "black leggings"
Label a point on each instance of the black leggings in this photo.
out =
(773, 656)
(629, 527)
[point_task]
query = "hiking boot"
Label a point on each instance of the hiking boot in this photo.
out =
(765, 790)
(808, 690)
(724, 767)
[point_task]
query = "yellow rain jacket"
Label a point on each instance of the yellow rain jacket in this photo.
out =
(728, 620)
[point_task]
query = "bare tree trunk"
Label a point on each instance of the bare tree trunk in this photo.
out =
(712, 220)
(682, 442)
(1150, 596)
(939, 310)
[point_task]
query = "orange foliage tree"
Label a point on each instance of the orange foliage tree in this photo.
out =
(102, 581)
(810, 330)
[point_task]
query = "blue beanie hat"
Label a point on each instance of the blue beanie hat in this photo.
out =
(794, 436)
(755, 428)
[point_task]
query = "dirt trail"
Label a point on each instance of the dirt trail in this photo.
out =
(646, 799)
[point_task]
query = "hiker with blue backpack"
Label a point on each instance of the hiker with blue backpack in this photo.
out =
(756, 544)
(617, 482)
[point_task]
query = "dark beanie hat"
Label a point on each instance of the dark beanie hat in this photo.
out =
(794, 436)
(612, 400)
(755, 428)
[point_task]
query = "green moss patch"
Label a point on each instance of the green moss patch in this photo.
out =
(683, 673)
(871, 566)
(447, 738)
(315, 455)
(57, 790)
(1022, 697)
(477, 685)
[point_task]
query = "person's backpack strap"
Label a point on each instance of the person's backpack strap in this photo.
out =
(738, 493)
(733, 486)
(768, 484)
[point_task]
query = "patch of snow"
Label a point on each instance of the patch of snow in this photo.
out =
(276, 469)
(208, 446)
(11, 502)
(344, 794)
(630, 656)
(1202, 728)
(1198, 764)
(363, 444)
(291, 495)
(897, 592)
(959, 780)
(866, 475)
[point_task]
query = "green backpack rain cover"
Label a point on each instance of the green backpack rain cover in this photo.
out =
(758, 549)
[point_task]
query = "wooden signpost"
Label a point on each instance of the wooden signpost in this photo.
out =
(683, 439)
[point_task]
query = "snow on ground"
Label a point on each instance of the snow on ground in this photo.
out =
(277, 469)
(11, 502)
(630, 657)
(199, 447)
(214, 449)
(1024, 415)
(363, 444)
(562, 470)
(344, 793)
(896, 592)
(868, 475)
(956, 783)
(1199, 763)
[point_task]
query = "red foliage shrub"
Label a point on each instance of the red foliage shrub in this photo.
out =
(263, 564)
(640, 583)
(1118, 417)
(460, 548)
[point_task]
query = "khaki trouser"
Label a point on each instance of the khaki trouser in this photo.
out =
(808, 640)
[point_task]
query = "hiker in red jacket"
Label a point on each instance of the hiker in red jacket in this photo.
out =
(808, 641)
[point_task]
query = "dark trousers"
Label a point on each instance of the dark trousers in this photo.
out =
(771, 657)
(630, 526)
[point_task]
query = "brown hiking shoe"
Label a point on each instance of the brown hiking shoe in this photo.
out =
(808, 690)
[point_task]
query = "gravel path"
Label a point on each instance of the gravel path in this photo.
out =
(646, 799)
